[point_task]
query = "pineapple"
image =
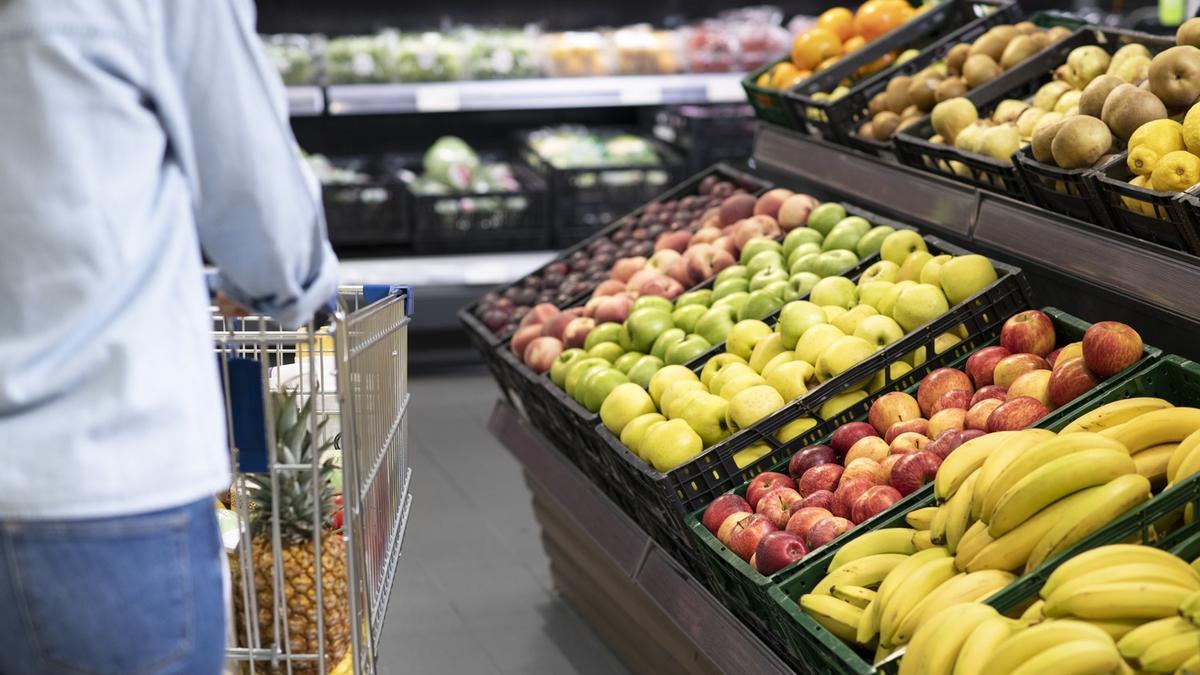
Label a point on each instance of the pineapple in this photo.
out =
(295, 445)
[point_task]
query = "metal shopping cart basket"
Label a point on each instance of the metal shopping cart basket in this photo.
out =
(314, 520)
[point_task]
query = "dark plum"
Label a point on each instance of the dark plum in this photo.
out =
(707, 184)
(556, 268)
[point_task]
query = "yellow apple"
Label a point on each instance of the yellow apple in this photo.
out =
(931, 273)
(913, 264)
(794, 428)
(887, 301)
(632, 434)
(918, 305)
(879, 330)
(676, 390)
(753, 404)
(744, 335)
(716, 364)
(729, 373)
(624, 403)
(838, 291)
(665, 378)
(789, 379)
(872, 292)
(766, 349)
(832, 312)
(747, 456)
(777, 360)
(940, 344)
(899, 244)
(840, 402)
(736, 385)
(848, 322)
(893, 371)
(670, 444)
(797, 317)
(706, 414)
(815, 340)
(842, 355)
(966, 275)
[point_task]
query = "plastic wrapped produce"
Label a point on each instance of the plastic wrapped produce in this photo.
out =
(640, 50)
(577, 54)
(357, 60)
(502, 53)
(424, 57)
(451, 161)
(296, 57)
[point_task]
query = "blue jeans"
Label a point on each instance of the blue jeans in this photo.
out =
(136, 595)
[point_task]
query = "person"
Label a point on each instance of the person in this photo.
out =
(133, 134)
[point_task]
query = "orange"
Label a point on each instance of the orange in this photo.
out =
(828, 62)
(815, 46)
(878, 17)
(782, 74)
(853, 44)
(764, 80)
(877, 65)
(839, 20)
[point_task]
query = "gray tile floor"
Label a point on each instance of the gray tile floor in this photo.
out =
(473, 593)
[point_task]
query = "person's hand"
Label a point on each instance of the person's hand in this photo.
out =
(228, 307)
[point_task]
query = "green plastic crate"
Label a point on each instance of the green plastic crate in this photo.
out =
(745, 591)
(1171, 377)
(768, 103)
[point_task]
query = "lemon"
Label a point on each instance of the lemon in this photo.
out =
(1137, 205)
(1151, 141)
(1175, 172)
(1191, 129)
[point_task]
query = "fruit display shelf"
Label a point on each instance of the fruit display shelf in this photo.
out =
(745, 590)
(1170, 219)
(1171, 377)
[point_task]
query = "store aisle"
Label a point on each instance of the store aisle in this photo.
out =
(473, 592)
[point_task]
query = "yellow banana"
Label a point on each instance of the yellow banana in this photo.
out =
(1186, 447)
(837, 617)
(935, 648)
(1189, 465)
(958, 512)
(920, 583)
(1169, 425)
(1026, 644)
(1112, 555)
(868, 624)
(1111, 414)
(1138, 640)
(868, 571)
(1132, 572)
(958, 590)
(1116, 628)
(1189, 609)
(1038, 456)
(973, 541)
(1109, 502)
(937, 528)
(992, 466)
(1053, 481)
(1152, 462)
(919, 519)
(888, 540)
(1033, 613)
(1166, 655)
(899, 576)
(969, 456)
(1190, 667)
(1011, 551)
(1117, 600)
(1081, 657)
(981, 644)
(922, 541)
(856, 595)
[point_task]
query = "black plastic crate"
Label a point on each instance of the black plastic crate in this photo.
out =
(707, 134)
(945, 26)
(1168, 218)
(585, 199)
(373, 212)
(1071, 192)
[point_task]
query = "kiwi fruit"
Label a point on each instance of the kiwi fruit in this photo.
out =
(989, 44)
(1043, 137)
(1091, 102)
(884, 125)
(1018, 49)
(979, 70)
(897, 93)
(920, 92)
(878, 103)
(951, 87)
(867, 130)
(1128, 108)
(1080, 141)
(956, 57)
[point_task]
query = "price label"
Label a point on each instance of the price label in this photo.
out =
(641, 93)
(724, 89)
(438, 99)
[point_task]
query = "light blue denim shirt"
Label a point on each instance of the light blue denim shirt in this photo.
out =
(133, 133)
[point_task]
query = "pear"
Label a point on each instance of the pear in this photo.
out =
(878, 103)
(1080, 141)
(968, 138)
(956, 57)
(1086, 64)
(1058, 33)
(951, 87)
(1128, 108)
(952, 116)
(1091, 102)
(1018, 49)
(867, 130)
(884, 125)
(979, 70)
(1133, 69)
(1175, 77)
(1008, 110)
(1043, 136)
(1028, 28)
(1049, 93)
(1068, 101)
(1188, 33)
(1029, 117)
(999, 142)
(1129, 51)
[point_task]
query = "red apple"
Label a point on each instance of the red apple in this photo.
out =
(1031, 332)
(795, 211)
(577, 331)
(821, 498)
(808, 457)
(764, 483)
(721, 508)
(541, 353)
(848, 434)
(938, 383)
(771, 201)
(890, 408)
(539, 315)
(1016, 413)
(957, 398)
(863, 469)
(887, 464)
(522, 338)
(608, 287)
(909, 442)
(777, 505)
(613, 309)
(625, 268)
(875, 500)
(1035, 384)
(820, 477)
(777, 550)
(944, 420)
(847, 492)
(871, 447)
(725, 532)
(945, 443)
(1009, 368)
(1070, 380)
(919, 425)
(988, 391)
(1052, 357)
(982, 364)
(1110, 347)
(747, 533)
(977, 416)
(826, 531)
(803, 519)
(972, 434)
(912, 471)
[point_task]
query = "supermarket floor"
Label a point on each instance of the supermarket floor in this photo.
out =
(473, 592)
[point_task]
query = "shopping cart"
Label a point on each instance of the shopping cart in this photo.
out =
(303, 407)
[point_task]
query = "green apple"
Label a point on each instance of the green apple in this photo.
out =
(966, 275)
(815, 340)
(654, 301)
(744, 335)
(714, 324)
(918, 305)
(718, 363)
(645, 325)
(834, 262)
(848, 322)
(846, 234)
(624, 339)
(625, 403)
(686, 317)
(824, 217)
(799, 252)
(609, 351)
(798, 236)
(832, 312)
(897, 245)
(728, 374)
(764, 261)
(707, 417)
(605, 332)
(675, 390)
(578, 370)
(940, 344)
(759, 305)
(838, 291)
(776, 361)
(778, 288)
(801, 284)
(872, 292)
(870, 243)
(795, 318)
(888, 301)
(731, 272)
(753, 404)
(879, 330)
(701, 296)
(562, 365)
(893, 371)
(883, 270)
(729, 287)
(931, 273)
(664, 378)
(757, 245)
(840, 402)
(764, 277)
(766, 349)
(645, 368)
(842, 355)
(625, 361)
(910, 269)
(687, 350)
(635, 431)
(670, 444)
(735, 301)
(679, 404)
(788, 379)
(805, 263)
(665, 340)
(597, 385)
(794, 429)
